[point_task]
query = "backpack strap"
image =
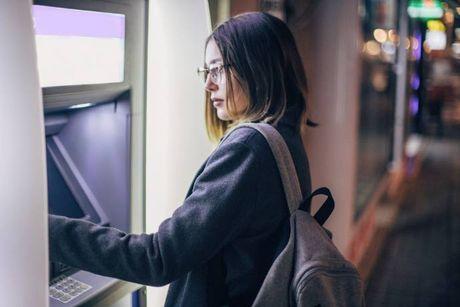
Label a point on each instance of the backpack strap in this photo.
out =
(288, 173)
(326, 209)
(284, 161)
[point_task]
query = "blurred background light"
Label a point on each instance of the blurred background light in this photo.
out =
(413, 104)
(414, 43)
(380, 35)
(425, 9)
(389, 48)
(426, 47)
(393, 36)
(407, 41)
(435, 25)
(449, 17)
(417, 47)
(415, 82)
(436, 40)
(379, 80)
(372, 48)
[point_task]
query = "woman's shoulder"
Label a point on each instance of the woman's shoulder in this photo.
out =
(248, 137)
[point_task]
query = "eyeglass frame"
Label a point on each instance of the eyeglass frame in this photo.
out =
(208, 71)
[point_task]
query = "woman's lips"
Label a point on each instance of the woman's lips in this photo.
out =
(217, 102)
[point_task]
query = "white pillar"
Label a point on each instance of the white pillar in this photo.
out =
(329, 44)
(23, 198)
(176, 138)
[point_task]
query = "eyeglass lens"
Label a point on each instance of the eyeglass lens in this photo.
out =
(215, 74)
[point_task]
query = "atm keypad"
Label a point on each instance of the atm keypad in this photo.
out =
(65, 288)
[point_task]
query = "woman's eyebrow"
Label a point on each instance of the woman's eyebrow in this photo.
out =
(214, 61)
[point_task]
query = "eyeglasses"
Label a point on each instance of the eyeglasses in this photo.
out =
(215, 73)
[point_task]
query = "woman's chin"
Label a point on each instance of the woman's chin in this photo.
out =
(222, 115)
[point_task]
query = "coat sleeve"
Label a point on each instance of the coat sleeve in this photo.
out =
(216, 212)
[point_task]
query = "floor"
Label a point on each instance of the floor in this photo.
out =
(420, 262)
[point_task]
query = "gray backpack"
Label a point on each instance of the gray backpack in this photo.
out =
(310, 271)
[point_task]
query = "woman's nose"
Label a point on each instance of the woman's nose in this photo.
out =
(209, 85)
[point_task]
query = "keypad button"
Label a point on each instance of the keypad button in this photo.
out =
(57, 295)
(65, 298)
(66, 289)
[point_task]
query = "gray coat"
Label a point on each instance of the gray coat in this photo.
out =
(218, 246)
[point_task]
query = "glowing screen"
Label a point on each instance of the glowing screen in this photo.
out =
(76, 47)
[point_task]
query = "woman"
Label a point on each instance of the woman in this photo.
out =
(218, 246)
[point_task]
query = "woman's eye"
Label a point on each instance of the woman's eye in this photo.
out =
(215, 66)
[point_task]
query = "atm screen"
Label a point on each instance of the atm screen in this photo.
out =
(60, 199)
(76, 47)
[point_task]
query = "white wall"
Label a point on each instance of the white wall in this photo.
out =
(176, 139)
(23, 199)
(329, 44)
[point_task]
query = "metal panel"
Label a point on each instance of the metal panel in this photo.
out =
(59, 98)
(93, 152)
(23, 219)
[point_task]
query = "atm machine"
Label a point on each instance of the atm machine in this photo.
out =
(91, 62)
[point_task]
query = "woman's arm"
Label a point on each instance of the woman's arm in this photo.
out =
(218, 210)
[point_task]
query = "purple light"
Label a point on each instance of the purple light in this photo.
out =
(69, 22)
(413, 104)
(417, 52)
(415, 82)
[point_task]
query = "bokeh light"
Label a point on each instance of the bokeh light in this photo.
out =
(380, 35)
(372, 48)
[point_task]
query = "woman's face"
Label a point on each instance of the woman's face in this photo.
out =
(218, 90)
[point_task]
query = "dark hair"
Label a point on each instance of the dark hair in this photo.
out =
(259, 50)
